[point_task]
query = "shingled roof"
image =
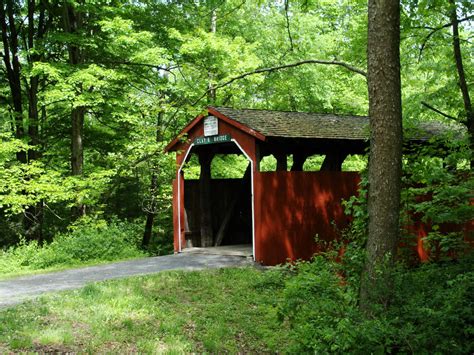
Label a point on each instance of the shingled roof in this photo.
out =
(300, 124)
(265, 124)
(285, 124)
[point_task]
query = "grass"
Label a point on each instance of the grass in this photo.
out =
(226, 310)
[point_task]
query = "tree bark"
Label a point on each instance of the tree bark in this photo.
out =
(462, 78)
(385, 144)
(37, 28)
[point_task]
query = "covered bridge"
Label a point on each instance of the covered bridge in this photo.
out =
(278, 213)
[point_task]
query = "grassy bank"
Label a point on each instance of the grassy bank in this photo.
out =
(228, 310)
(304, 308)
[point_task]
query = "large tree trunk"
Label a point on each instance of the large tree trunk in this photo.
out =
(385, 143)
(462, 78)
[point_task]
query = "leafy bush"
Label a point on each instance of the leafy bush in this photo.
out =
(88, 240)
(432, 310)
(437, 190)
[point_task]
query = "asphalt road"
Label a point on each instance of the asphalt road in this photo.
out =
(17, 290)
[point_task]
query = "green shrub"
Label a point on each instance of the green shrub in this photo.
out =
(88, 241)
(431, 310)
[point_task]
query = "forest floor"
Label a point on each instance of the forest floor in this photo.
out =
(16, 290)
(219, 310)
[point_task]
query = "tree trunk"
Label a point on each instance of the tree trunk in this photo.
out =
(462, 78)
(150, 214)
(33, 214)
(77, 152)
(385, 144)
(37, 27)
(72, 23)
(211, 93)
(12, 67)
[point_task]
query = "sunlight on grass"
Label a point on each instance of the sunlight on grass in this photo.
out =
(174, 312)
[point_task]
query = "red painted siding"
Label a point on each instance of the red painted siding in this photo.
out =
(291, 208)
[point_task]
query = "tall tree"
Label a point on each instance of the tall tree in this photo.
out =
(462, 77)
(72, 25)
(11, 60)
(24, 26)
(385, 141)
(154, 185)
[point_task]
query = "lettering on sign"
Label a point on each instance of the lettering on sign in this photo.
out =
(212, 140)
(211, 127)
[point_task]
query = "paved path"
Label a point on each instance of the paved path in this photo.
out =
(15, 291)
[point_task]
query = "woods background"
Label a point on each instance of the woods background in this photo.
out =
(91, 91)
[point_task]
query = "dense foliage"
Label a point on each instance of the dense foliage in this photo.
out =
(431, 309)
(92, 91)
(87, 242)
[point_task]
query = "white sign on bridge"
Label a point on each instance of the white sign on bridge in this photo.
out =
(211, 127)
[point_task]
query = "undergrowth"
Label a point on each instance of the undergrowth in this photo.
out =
(87, 242)
(431, 310)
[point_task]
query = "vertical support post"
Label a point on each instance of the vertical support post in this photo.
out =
(181, 160)
(333, 161)
(298, 161)
(205, 159)
(282, 164)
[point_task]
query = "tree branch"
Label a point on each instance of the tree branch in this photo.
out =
(287, 6)
(436, 29)
(286, 66)
(154, 66)
(437, 111)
